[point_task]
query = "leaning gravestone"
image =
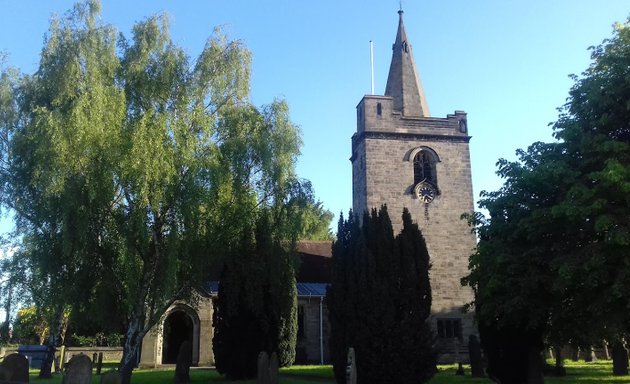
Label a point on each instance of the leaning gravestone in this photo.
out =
(606, 350)
(575, 353)
(262, 368)
(184, 361)
(16, 368)
(78, 370)
(476, 362)
(273, 369)
(351, 368)
(110, 377)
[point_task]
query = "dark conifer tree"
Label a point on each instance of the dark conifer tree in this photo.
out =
(380, 299)
(256, 307)
(236, 319)
(417, 361)
(337, 295)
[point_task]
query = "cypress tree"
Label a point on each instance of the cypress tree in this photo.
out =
(418, 357)
(380, 299)
(236, 318)
(256, 307)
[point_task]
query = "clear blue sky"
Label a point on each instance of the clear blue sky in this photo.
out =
(505, 62)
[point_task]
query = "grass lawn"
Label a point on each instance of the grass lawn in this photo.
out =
(579, 373)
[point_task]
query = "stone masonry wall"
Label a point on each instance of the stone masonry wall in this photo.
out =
(201, 316)
(309, 344)
(382, 162)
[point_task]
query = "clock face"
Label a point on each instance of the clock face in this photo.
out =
(425, 192)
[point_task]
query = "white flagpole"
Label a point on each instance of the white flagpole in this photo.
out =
(372, 64)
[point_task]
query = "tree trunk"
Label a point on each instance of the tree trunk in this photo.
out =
(130, 350)
(559, 369)
(606, 351)
(45, 372)
(534, 366)
(588, 354)
(5, 334)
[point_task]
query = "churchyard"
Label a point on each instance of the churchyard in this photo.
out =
(577, 372)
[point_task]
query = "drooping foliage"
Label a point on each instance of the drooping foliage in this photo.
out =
(380, 300)
(305, 218)
(132, 168)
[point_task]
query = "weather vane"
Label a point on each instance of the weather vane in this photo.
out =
(400, 2)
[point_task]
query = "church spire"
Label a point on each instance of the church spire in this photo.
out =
(403, 83)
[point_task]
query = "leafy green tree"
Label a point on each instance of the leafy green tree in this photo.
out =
(520, 300)
(552, 256)
(594, 128)
(131, 167)
(380, 300)
(29, 326)
(305, 218)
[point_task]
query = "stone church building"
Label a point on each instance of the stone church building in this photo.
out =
(185, 322)
(402, 157)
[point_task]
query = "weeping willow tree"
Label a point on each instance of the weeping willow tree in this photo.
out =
(131, 166)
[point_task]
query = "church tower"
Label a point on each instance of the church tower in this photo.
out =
(403, 157)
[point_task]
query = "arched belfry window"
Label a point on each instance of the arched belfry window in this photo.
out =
(424, 167)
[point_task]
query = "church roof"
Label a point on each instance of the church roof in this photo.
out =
(304, 290)
(315, 247)
(312, 289)
(403, 82)
(314, 273)
(315, 261)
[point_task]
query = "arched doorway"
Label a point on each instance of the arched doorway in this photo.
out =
(178, 327)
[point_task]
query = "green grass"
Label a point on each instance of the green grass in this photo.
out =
(577, 373)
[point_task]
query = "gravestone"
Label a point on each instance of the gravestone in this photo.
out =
(273, 369)
(351, 368)
(36, 354)
(184, 361)
(262, 368)
(589, 354)
(476, 362)
(592, 353)
(606, 350)
(99, 365)
(78, 370)
(575, 353)
(620, 359)
(16, 368)
(110, 377)
(62, 358)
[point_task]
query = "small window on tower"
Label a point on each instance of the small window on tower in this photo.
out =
(379, 109)
(424, 168)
